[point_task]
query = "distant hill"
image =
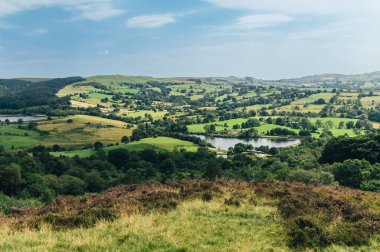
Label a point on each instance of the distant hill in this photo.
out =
(336, 79)
(34, 80)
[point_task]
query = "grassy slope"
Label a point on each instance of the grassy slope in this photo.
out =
(78, 133)
(10, 136)
(159, 143)
(194, 225)
(63, 133)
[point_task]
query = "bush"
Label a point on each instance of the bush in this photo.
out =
(232, 202)
(206, 197)
(7, 203)
(371, 185)
(72, 185)
(311, 177)
(305, 232)
(84, 219)
(10, 179)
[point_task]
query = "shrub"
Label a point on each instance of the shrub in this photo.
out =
(206, 197)
(305, 232)
(83, 219)
(7, 203)
(72, 185)
(311, 177)
(232, 202)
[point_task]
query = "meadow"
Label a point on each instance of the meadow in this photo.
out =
(158, 143)
(264, 127)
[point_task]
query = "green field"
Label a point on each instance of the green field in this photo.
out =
(141, 113)
(264, 127)
(159, 143)
(83, 130)
(11, 136)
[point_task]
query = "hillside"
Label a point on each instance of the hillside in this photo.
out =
(369, 80)
(201, 216)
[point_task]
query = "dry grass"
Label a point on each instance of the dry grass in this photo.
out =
(149, 223)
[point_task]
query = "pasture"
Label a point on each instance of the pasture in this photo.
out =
(84, 130)
(159, 143)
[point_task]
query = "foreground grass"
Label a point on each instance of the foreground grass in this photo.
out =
(201, 215)
(193, 226)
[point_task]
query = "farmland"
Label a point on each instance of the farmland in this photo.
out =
(159, 143)
(197, 103)
(75, 171)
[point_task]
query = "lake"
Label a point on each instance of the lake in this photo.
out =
(225, 143)
(15, 118)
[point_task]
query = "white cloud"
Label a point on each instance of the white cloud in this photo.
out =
(261, 20)
(37, 32)
(150, 21)
(104, 52)
(98, 11)
(343, 7)
(93, 10)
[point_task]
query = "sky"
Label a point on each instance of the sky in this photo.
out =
(269, 39)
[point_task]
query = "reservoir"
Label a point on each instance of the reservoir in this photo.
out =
(225, 143)
(15, 118)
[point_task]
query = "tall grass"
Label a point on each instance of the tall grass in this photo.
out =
(196, 223)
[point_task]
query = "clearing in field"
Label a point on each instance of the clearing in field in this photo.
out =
(370, 102)
(142, 113)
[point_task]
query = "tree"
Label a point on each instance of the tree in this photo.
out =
(350, 124)
(125, 139)
(319, 124)
(56, 148)
(304, 133)
(342, 148)
(350, 172)
(94, 181)
(374, 116)
(10, 178)
(248, 134)
(210, 128)
(320, 101)
(72, 185)
(32, 125)
(98, 146)
(213, 170)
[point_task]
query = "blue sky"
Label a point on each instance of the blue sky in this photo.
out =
(268, 39)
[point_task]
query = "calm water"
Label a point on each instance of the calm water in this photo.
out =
(24, 118)
(225, 143)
